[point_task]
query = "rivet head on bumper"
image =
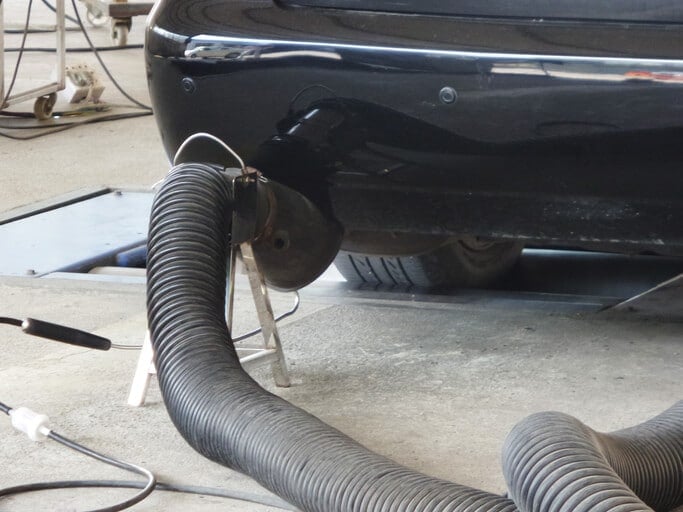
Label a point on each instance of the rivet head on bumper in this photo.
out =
(448, 95)
(188, 85)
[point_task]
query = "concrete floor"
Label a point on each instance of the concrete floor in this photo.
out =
(435, 383)
(435, 386)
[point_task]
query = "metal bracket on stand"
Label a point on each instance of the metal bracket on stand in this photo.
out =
(244, 230)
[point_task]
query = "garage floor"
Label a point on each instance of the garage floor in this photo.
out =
(433, 382)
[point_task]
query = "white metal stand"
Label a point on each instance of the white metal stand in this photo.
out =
(270, 351)
(46, 95)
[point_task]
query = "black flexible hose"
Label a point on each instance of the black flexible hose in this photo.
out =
(552, 459)
(219, 409)
(230, 419)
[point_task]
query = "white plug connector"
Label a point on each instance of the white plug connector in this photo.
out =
(31, 423)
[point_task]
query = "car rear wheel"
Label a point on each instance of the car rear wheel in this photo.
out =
(465, 262)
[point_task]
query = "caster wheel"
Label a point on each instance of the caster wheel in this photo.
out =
(96, 19)
(42, 108)
(119, 34)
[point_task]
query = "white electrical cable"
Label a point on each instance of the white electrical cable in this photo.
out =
(204, 135)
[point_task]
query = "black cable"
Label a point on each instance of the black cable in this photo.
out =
(146, 488)
(37, 31)
(241, 337)
(58, 115)
(25, 115)
(104, 67)
(151, 484)
(79, 111)
(256, 331)
(64, 120)
(294, 309)
(10, 321)
(53, 9)
(49, 131)
(126, 466)
(160, 486)
(21, 54)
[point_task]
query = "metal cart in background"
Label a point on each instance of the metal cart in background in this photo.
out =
(45, 96)
(119, 13)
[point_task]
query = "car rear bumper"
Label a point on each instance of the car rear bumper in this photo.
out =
(436, 125)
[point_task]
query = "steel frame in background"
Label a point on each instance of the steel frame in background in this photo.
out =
(52, 87)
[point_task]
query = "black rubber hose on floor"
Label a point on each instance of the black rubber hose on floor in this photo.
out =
(230, 419)
(552, 461)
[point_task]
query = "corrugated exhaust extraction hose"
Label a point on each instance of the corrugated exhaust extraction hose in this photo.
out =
(229, 418)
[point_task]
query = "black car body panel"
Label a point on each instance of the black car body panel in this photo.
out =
(555, 131)
(666, 11)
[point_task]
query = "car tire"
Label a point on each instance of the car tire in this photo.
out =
(466, 263)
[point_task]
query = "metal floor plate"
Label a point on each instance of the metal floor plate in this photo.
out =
(76, 236)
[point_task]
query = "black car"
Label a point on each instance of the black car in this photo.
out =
(442, 136)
